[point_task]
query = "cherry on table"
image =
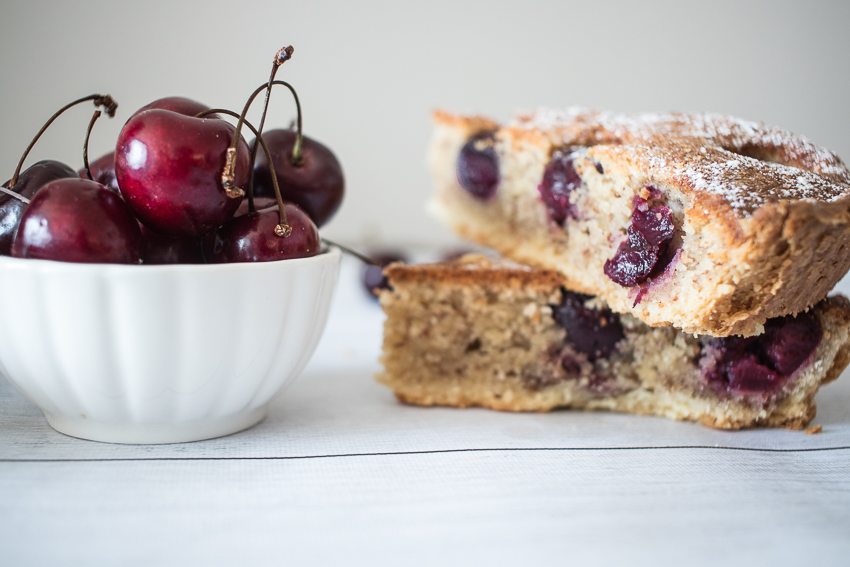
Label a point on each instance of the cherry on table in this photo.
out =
(374, 279)
(30, 181)
(316, 184)
(78, 220)
(252, 237)
(169, 168)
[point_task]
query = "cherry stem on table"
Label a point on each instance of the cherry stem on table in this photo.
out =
(283, 229)
(362, 257)
(106, 101)
(94, 118)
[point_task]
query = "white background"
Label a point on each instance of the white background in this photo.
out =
(369, 73)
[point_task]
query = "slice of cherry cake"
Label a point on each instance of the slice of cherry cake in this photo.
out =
(479, 332)
(706, 223)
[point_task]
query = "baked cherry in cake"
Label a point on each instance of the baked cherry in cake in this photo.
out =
(594, 332)
(643, 253)
(559, 180)
(478, 167)
(758, 366)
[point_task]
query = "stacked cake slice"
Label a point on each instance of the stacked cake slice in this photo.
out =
(730, 232)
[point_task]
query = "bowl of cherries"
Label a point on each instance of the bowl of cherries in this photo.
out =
(169, 289)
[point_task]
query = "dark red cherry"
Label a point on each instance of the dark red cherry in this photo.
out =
(478, 167)
(30, 181)
(178, 104)
(595, 332)
(374, 279)
(559, 180)
(316, 185)
(649, 236)
(251, 238)
(77, 220)
(160, 249)
(103, 171)
(260, 203)
(169, 169)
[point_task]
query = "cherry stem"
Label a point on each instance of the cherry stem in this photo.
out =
(15, 195)
(94, 118)
(282, 229)
(281, 57)
(229, 173)
(106, 101)
(362, 257)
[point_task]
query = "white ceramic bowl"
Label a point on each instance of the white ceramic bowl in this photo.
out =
(159, 354)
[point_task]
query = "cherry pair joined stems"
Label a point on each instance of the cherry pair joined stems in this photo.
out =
(108, 104)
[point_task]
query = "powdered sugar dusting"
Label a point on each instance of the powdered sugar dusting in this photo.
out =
(746, 163)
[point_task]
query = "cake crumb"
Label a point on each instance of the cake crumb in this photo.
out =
(813, 430)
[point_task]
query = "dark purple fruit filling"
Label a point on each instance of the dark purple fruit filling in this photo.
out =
(374, 279)
(760, 365)
(594, 332)
(559, 180)
(645, 251)
(478, 167)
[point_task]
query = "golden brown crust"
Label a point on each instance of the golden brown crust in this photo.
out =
(745, 149)
(470, 125)
(474, 269)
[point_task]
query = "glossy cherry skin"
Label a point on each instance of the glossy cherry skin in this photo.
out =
(251, 238)
(161, 249)
(77, 220)
(102, 171)
(169, 170)
(316, 185)
(178, 104)
(260, 203)
(103, 168)
(29, 182)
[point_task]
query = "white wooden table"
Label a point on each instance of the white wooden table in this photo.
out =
(340, 473)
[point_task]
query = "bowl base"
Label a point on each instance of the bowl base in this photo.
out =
(154, 433)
